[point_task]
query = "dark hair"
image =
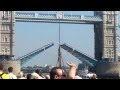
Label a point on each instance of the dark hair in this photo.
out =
(53, 72)
(37, 71)
(1, 66)
(29, 76)
(10, 69)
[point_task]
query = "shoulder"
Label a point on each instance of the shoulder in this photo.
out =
(12, 76)
(5, 76)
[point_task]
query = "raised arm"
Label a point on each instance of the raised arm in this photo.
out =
(72, 70)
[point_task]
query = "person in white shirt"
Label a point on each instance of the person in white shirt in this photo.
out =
(36, 76)
(10, 74)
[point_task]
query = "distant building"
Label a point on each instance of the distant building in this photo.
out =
(46, 65)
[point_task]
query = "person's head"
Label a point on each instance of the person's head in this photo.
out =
(56, 73)
(47, 76)
(10, 69)
(37, 71)
(29, 76)
(94, 76)
(1, 66)
(20, 74)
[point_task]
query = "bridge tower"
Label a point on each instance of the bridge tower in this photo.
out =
(7, 23)
(105, 43)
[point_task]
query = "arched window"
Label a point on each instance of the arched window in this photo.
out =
(107, 53)
(109, 42)
(6, 39)
(5, 49)
(5, 13)
(5, 27)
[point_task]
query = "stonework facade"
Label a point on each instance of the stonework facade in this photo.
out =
(7, 22)
(104, 35)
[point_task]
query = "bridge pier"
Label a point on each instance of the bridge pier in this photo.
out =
(108, 70)
(11, 63)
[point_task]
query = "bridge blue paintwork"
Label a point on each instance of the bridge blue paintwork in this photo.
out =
(91, 62)
(24, 59)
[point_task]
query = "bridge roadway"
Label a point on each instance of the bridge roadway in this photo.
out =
(56, 18)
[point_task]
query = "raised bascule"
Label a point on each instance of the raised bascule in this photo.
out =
(105, 23)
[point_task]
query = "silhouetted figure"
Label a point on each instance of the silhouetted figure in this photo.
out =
(39, 73)
(29, 76)
(11, 75)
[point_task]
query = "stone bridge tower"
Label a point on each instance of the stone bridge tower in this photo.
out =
(105, 44)
(105, 35)
(7, 27)
(7, 22)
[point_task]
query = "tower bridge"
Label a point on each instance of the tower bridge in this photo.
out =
(105, 27)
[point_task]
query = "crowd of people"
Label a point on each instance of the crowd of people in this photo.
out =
(55, 73)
